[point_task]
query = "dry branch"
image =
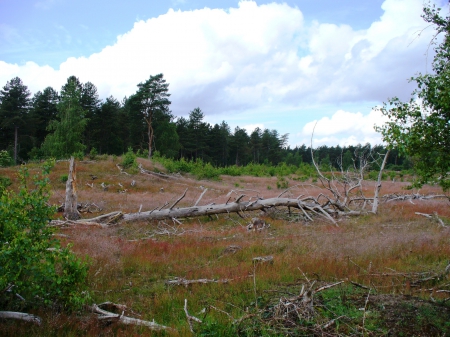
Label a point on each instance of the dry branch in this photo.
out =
(20, 316)
(263, 259)
(156, 174)
(190, 318)
(413, 196)
(433, 216)
(178, 281)
(112, 317)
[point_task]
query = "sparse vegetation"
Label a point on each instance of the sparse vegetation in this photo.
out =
(401, 269)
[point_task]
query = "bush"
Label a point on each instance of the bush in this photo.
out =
(282, 183)
(129, 159)
(144, 153)
(93, 154)
(5, 158)
(32, 261)
(79, 155)
(4, 183)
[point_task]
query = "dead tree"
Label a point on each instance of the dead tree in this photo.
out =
(71, 205)
(345, 187)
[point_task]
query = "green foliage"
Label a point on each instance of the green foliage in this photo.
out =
(5, 158)
(129, 159)
(36, 153)
(66, 139)
(153, 100)
(282, 183)
(144, 153)
(204, 170)
(14, 107)
(93, 154)
(63, 178)
(32, 261)
(4, 183)
(420, 128)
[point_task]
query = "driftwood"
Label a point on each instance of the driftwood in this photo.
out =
(71, 205)
(412, 196)
(433, 216)
(20, 316)
(156, 174)
(263, 259)
(178, 281)
(108, 316)
(310, 207)
(190, 318)
(237, 207)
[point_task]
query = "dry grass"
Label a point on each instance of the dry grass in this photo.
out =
(130, 263)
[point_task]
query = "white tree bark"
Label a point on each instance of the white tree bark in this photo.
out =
(20, 316)
(70, 205)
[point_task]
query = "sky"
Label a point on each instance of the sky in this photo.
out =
(284, 65)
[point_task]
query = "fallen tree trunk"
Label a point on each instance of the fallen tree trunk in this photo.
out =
(234, 207)
(309, 207)
(21, 316)
(112, 317)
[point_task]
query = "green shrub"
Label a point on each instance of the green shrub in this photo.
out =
(79, 155)
(36, 153)
(93, 154)
(63, 178)
(282, 183)
(144, 153)
(129, 159)
(5, 158)
(4, 183)
(32, 261)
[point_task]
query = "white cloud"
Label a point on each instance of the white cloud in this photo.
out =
(251, 127)
(343, 128)
(255, 57)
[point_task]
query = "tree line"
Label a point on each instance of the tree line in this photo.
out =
(76, 121)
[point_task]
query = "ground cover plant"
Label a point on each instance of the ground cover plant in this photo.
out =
(376, 274)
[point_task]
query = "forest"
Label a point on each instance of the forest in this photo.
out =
(76, 121)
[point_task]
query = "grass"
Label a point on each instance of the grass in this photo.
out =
(389, 253)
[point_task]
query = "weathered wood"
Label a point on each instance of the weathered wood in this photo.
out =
(71, 205)
(21, 316)
(112, 317)
(378, 186)
(234, 207)
(178, 281)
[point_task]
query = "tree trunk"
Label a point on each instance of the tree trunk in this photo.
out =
(378, 186)
(234, 207)
(70, 205)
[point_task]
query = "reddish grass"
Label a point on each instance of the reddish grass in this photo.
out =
(130, 263)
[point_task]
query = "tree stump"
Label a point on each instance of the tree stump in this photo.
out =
(70, 205)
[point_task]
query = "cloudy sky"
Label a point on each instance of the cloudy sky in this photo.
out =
(281, 65)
